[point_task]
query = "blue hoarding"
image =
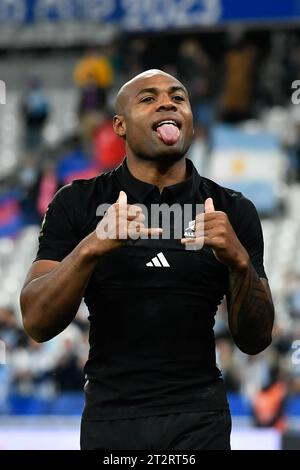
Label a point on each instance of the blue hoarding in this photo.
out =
(149, 14)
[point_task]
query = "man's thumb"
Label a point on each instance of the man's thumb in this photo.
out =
(209, 205)
(122, 199)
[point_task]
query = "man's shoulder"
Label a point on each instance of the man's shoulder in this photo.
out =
(84, 189)
(212, 188)
(229, 200)
(92, 183)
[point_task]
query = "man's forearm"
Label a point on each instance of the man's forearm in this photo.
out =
(50, 302)
(251, 311)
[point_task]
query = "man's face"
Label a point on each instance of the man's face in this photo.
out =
(157, 121)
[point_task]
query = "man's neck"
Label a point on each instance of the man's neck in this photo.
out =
(158, 173)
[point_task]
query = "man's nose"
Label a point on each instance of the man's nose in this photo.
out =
(166, 103)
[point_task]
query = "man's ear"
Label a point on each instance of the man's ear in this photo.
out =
(119, 125)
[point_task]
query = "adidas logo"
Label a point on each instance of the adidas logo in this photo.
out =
(158, 261)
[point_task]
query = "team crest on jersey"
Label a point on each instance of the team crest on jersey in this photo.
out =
(190, 230)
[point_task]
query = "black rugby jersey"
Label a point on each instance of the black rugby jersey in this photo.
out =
(151, 302)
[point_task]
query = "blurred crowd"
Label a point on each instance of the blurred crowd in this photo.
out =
(41, 370)
(232, 85)
(230, 80)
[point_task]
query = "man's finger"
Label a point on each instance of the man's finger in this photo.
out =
(204, 238)
(148, 232)
(134, 211)
(193, 240)
(209, 233)
(122, 199)
(195, 243)
(209, 205)
(139, 217)
(134, 229)
(207, 225)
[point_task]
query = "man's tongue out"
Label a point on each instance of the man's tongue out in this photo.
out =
(168, 133)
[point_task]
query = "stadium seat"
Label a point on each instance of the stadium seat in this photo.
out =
(28, 405)
(292, 407)
(239, 405)
(68, 404)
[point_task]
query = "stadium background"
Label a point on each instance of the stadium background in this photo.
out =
(61, 63)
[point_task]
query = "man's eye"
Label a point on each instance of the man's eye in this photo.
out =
(147, 99)
(179, 98)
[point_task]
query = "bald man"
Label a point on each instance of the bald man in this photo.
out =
(151, 377)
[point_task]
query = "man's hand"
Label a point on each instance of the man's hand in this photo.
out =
(212, 228)
(121, 223)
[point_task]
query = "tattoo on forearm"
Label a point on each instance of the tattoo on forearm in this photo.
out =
(251, 312)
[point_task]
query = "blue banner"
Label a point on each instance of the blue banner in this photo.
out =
(141, 15)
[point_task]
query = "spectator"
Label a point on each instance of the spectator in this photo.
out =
(196, 68)
(109, 149)
(10, 333)
(235, 100)
(68, 371)
(92, 107)
(35, 107)
(268, 403)
(94, 65)
(32, 364)
(47, 188)
(92, 99)
(74, 163)
(28, 184)
(229, 365)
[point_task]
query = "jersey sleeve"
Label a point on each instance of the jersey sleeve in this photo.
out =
(58, 235)
(249, 232)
